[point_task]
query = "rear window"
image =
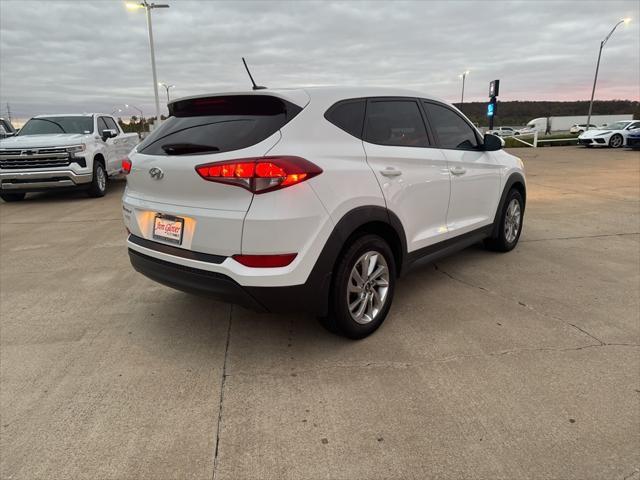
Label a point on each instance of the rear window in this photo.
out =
(218, 124)
(348, 115)
(57, 125)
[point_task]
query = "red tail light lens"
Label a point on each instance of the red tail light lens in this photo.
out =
(262, 174)
(126, 166)
(265, 261)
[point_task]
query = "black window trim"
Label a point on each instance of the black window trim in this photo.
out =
(430, 138)
(479, 139)
(339, 103)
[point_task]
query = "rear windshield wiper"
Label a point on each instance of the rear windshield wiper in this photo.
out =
(188, 148)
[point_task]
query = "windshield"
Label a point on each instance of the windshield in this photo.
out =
(56, 125)
(617, 126)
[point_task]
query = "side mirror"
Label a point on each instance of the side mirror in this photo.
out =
(492, 142)
(108, 133)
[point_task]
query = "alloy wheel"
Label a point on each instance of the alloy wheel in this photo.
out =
(101, 178)
(512, 221)
(368, 287)
(616, 141)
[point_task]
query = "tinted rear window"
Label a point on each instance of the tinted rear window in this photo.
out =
(348, 115)
(218, 124)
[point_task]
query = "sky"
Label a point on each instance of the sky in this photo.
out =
(62, 56)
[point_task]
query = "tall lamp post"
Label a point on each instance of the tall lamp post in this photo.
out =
(463, 76)
(595, 79)
(167, 87)
(148, 7)
(141, 119)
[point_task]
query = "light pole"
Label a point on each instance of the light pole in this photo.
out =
(148, 7)
(141, 119)
(463, 76)
(167, 87)
(595, 78)
(126, 105)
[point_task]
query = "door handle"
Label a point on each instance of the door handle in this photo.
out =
(391, 172)
(458, 170)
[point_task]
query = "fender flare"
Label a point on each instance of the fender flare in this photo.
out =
(514, 178)
(320, 278)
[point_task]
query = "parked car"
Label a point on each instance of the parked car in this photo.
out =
(314, 199)
(581, 127)
(504, 131)
(63, 151)
(6, 128)
(633, 138)
(614, 136)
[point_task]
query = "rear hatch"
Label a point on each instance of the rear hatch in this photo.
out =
(204, 130)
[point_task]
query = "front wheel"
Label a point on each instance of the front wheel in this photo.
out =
(12, 197)
(98, 186)
(616, 141)
(510, 224)
(362, 289)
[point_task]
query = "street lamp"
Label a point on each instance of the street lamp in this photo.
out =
(126, 105)
(117, 110)
(167, 87)
(148, 7)
(595, 79)
(463, 76)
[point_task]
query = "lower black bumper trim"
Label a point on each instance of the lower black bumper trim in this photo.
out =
(305, 297)
(193, 280)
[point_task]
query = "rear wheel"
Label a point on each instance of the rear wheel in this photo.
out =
(98, 186)
(510, 224)
(616, 141)
(363, 287)
(12, 197)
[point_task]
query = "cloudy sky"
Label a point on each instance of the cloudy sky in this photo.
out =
(93, 55)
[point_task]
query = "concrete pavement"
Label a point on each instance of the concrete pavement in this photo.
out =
(524, 365)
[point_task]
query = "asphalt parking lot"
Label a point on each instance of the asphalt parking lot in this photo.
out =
(524, 365)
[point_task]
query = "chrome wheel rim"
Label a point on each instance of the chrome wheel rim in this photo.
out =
(368, 287)
(616, 141)
(101, 178)
(512, 221)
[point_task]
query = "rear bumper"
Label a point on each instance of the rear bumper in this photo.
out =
(11, 181)
(192, 280)
(306, 297)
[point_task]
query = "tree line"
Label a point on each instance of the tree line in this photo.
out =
(518, 113)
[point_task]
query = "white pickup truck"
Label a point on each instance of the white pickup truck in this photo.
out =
(63, 151)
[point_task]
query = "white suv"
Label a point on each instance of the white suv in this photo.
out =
(314, 199)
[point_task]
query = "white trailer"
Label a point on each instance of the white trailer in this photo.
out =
(560, 124)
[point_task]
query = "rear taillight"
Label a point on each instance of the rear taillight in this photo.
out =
(126, 166)
(265, 261)
(262, 174)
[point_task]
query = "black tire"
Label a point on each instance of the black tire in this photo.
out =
(98, 188)
(12, 197)
(618, 142)
(340, 320)
(501, 242)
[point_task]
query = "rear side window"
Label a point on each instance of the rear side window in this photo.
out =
(395, 122)
(111, 124)
(450, 128)
(348, 115)
(218, 124)
(102, 125)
